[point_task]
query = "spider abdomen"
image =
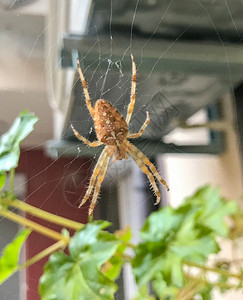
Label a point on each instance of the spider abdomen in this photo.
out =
(110, 126)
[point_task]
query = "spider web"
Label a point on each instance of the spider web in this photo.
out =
(124, 179)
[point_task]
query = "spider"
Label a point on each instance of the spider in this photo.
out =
(112, 131)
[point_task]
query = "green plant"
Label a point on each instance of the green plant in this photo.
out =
(173, 242)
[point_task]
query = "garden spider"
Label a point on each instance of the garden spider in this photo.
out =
(112, 130)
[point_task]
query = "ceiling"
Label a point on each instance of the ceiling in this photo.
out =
(186, 59)
(188, 56)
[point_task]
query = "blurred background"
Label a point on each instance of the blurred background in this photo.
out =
(189, 77)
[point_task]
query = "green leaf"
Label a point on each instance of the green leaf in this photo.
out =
(10, 255)
(212, 209)
(112, 268)
(206, 292)
(10, 141)
(169, 236)
(143, 294)
(78, 276)
(161, 225)
(86, 238)
(2, 179)
(193, 241)
(163, 290)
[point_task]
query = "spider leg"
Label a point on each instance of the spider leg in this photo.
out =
(98, 183)
(96, 172)
(83, 139)
(85, 89)
(141, 131)
(147, 162)
(133, 92)
(142, 166)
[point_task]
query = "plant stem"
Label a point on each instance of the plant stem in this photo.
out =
(91, 218)
(190, 289)
(43, 254)
(212, 269)
(125, 257)
(11, 185)
(34, 226)
(130, 245)
(218, 284)
(46, 215)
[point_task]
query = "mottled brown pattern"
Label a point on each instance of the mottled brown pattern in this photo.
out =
(112, 130)
(110, 126)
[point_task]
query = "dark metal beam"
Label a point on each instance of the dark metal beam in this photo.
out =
(159, 55)
(239, 118)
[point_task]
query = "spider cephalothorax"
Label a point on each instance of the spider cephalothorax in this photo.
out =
(111, 127)
(112, 130)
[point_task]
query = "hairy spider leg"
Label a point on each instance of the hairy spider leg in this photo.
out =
(133, 92)
(83, 139)
(98, 183)
(96, 172)
(146, 171)
(85, 89)
(147, 162)
(141, 131)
